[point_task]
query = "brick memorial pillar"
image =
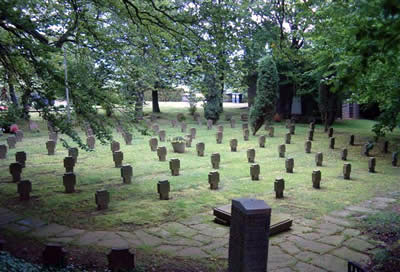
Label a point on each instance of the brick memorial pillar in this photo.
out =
(249, 235)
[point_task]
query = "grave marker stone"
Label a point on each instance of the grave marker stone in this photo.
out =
(219, 136)
(162, 153)
(213, 180)
(54, 255)
(288, 137)
(51, 147)
(163, 189)
(121, 259)
(215, 160)
(367, 148)
(126, 174)
(319, 157)
(193, 133)
(69, 164)
(11, 141)
(255, 171)
(312, 126)
(332, 143)
(289, 164)
(188, 140)
(249, 235)
(371, 164)
(91, 141)
(251, 155)
(118, 157)
(161, 135)
(69, 182)
(310, 136)
(316, 179)
(73, 152)
(24, 190)
(3, 151)
(15, 170)
(115, 146)
(200, 149)
(233, 144)
(351, 140)
(346, 170)
(344, 154)
(394, 158)
(292, 129)
(174, 165)
(153, 142)
(19, 135)
(102, 198)
(330, 132)
(271, 131)
(246, 134)
(128, 138)
(20, 157)
(281, 150)
(307, 146)
(261, 141)
(279, 187)
(233, 123)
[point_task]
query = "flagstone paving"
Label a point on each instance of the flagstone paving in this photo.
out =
(311, 245)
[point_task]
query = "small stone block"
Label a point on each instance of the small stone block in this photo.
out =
(51, 147)
(200, 147)
(153, 142)
(395, 156)
(69, 181)
(19, 135)
(73, 152)
(102, 198)
(246, 134)
(233, 144)
(54, 255)
(69, 164)
(310, 136)
(3, 151)
(289, 164)
(307, 146)
(193, 133)
(330, 132)
(351, 140)
(279, 186)
(215, 160)
(261, 141)
(161, 135)
(288, 138)
(174, 165)
(282, 150)
(24, 190)
(371, 164)
(332, 143)
(121, 259)
(319, 157)
(20, 157)
(219, 137)
(15, 171)
(163, 189)
(118, 157)
(271, 131)
(126, 174)
(128, 138)
(251, 155)
(213, 180)
(343, 155)
(316, 179)
(346, 170)
(162, 153)
(255, 172)
(115, 146)
(91, 142)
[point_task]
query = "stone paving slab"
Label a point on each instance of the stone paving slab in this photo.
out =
(330, 263)
(49, 230)
(352, 255)
(359, 245)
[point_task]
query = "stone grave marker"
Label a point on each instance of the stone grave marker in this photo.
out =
(288, 137)
(183, 127)
(153, 142)
(24, 190)
(118, 157)
(251, 155)
(367, 148)
(310, 136)
(344, 154)
(200, 147)
(307, 146)
(91, 141)
(11, 141)
(162, 153)
(161, 135)
(346, 170)
(261, 141)
(174, 165)
(233, 144)
(69, 164)
(330, 132)
(209, 124)
(20, 157)
(54, 255)
(73, 152)
(126, 173)
(128, 138)
(312, 126)
(371, 164)
(319, 157)
(115, 146)
(245, 126)
(51, 147)
(332, 143)
(102, 198)
(386, 147)
(19, 135)
(15, 169)
(292, 129)
(246, 134)
(279, 187)
(219, 137)
(69, 182)
(271, 131)
(233, 123)
(351, 140)
(163, 189)
(255, 171)
(213, 180)
(3, 151)
(215, 160)
(188, 140)
(394, 158)
(33, 126)
(121, 259)
(193, 133)
(289, 164)
(249, 235)
(316, 179)
(173, 123)
(281, 150)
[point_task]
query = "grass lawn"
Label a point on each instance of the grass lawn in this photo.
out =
(137, 205)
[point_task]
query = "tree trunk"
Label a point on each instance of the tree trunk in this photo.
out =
(13, 96)
(251, 88)
(139, 106)
(154, 97)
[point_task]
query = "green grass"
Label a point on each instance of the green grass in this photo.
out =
(136, 205)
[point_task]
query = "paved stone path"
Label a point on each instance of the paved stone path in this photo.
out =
(312, 245)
